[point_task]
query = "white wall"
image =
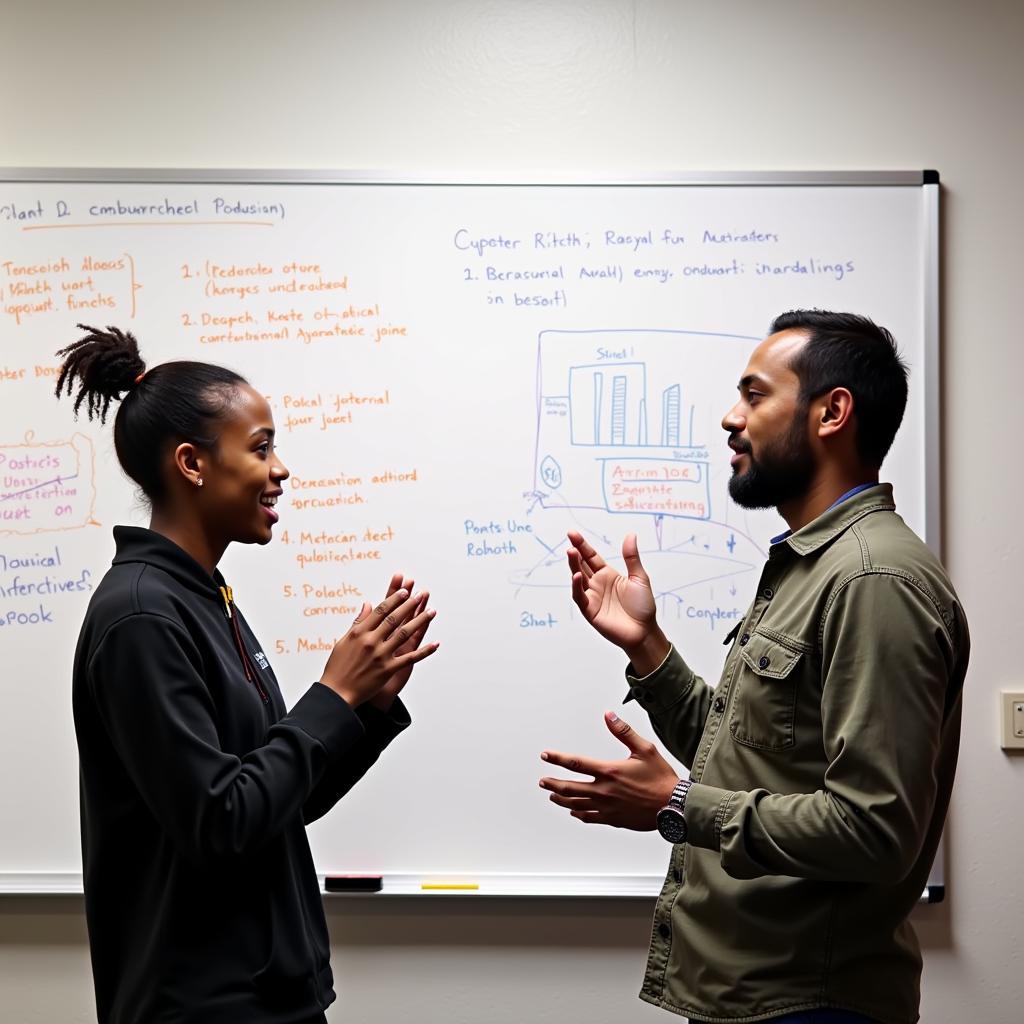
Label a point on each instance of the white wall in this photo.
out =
(609, 86)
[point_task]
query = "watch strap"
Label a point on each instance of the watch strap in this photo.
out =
(678, 797)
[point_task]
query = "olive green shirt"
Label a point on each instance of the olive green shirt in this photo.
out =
(822, 765)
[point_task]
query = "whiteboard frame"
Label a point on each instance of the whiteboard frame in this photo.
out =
(486, 885)
(235, 176)
(562, 886)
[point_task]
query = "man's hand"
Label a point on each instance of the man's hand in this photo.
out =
(621, 608)
(623, 794)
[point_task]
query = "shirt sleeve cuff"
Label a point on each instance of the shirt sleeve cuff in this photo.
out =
(706, 811)
(668, 684)
(383, 726)
(328, 718)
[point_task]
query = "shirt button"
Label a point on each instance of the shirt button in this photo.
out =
(744, 639)
(719, 705)
(763, 663)
(767, 593)
(664, 931)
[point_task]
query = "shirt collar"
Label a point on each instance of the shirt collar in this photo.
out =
(838, 517)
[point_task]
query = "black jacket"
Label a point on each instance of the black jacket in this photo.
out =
(200, 894)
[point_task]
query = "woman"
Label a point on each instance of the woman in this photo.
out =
(196, 782)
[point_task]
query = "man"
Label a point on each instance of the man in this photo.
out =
(821, 765)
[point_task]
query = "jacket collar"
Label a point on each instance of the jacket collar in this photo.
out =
(838, 519)
(135, 544)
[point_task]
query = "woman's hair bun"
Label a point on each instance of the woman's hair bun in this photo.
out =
(105, 365)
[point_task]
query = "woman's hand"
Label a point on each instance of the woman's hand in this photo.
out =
(386, 695)
(381, 644)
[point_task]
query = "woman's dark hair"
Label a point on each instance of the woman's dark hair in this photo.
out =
(161, 408)
(845, 350)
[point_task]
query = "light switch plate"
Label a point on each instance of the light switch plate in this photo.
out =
(1012, 718)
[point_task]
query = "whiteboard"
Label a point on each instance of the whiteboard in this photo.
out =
(459, 373)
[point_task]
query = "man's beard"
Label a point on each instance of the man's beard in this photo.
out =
(783, 471)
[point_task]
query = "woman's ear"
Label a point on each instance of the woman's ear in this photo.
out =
(189, 462)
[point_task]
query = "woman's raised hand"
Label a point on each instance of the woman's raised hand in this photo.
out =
(383, 642)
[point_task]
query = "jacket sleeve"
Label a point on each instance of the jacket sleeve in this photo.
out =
(380, 729)
(677, 702)
(888, 659)
(146, 680)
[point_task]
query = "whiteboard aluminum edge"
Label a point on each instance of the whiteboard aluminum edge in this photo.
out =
(932, 371)
(645, 887)
(184, 175)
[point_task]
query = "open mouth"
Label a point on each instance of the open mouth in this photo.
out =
(739, 450)
(268, 504)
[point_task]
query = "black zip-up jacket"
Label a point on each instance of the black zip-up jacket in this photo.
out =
(196, 784)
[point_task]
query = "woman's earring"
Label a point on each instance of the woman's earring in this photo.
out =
(199, 481)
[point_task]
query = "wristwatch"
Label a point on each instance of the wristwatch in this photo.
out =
(671, 823)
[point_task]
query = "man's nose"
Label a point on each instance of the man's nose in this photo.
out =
(733, 421)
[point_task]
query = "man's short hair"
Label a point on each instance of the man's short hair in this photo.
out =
(845, 350)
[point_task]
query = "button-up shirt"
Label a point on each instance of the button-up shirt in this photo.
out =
(821, 765)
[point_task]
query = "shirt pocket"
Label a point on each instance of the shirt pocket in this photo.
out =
(764, 702)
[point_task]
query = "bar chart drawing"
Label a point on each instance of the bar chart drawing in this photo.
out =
(608, 404)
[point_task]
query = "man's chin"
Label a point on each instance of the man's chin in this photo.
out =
(753, 504)
(745, 496)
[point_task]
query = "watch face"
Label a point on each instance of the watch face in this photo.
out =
(672, 825)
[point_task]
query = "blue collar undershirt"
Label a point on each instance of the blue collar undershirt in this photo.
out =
(845, 497)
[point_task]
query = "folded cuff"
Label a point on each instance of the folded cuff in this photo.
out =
(668, 684)
(706, 810)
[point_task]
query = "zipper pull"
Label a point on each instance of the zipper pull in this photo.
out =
(225, 592)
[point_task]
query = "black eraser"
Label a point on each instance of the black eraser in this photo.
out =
(353, 883)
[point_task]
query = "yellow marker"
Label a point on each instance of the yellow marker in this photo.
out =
(464, 886)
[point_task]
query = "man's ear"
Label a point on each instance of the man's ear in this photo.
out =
(836, 408)
(189, 461)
